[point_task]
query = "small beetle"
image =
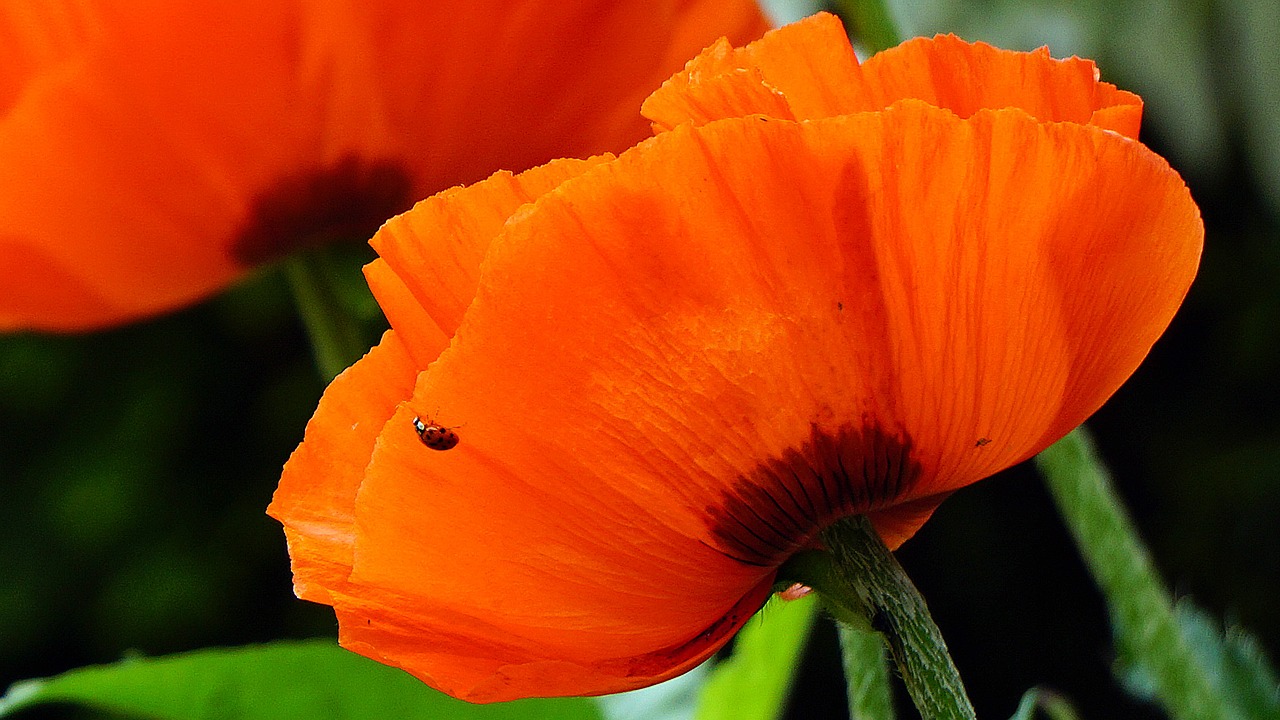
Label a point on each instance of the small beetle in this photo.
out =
(434, 435)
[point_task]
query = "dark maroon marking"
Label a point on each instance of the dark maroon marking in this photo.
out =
(782, 505)
(346, 201)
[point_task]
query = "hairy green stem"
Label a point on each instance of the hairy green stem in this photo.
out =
(1142, 612)
(869, 589)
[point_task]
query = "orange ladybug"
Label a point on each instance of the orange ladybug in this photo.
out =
(434, 435)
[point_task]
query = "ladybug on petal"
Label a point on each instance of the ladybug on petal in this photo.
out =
(434, 435)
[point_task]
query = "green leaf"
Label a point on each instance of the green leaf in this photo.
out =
(1175, 657)
(866, 674)
(675, 699)
(280, 681)
(753, 683)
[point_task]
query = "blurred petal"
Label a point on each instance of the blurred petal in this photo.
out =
(154, 151)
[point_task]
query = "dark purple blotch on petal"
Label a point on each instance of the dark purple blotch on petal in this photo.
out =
(346, 201)
(781, 506)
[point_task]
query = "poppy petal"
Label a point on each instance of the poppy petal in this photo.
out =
(76, 165)
(36, 284)
(680, 365)
(435, 251)
(574, 556)
(809, 68)
(963, 77)
(316, 497)
(422, 337)
(803, 70)
(484, 662)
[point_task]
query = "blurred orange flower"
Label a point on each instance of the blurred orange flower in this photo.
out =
(152, 151)
(821, 290)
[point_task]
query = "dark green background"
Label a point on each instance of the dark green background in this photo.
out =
(135, 464)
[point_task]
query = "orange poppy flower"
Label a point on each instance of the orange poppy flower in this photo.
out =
(823, 289)
(151, 151)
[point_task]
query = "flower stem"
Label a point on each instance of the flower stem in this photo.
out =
(335, 335)
(868, 589)
(869, 23)
(1052, 705)
(1142, 613)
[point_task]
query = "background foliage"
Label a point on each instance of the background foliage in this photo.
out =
(136, 463)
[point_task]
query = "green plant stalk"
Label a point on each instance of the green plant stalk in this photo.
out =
(869, 590)
(866, 674)
(335, 336)
(1142, 612)
(869, 23)
(1054, 706)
